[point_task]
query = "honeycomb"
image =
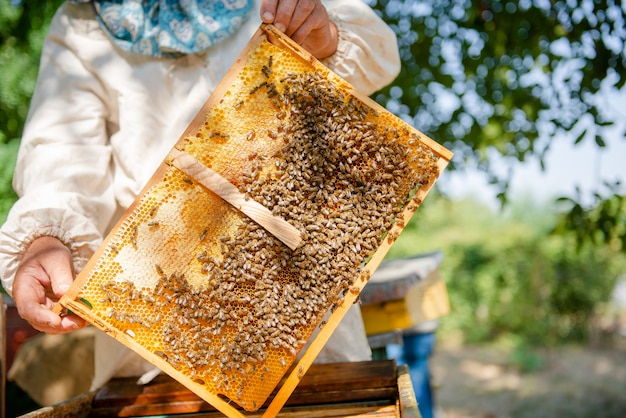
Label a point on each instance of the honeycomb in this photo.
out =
(211, 297)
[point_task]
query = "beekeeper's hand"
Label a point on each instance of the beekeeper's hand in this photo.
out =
(44, 275)
(304, 21)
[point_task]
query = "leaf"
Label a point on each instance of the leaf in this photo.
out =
(86, 302)
(600, 141)
(580, 137)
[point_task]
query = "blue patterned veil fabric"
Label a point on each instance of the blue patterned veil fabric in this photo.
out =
(167, 28)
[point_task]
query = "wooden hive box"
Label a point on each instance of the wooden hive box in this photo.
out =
(197, 287)
(404, 293)
(374, 388)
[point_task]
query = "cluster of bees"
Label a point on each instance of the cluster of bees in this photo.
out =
(341, 179)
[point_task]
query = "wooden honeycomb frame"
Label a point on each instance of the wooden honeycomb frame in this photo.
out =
(194, 286)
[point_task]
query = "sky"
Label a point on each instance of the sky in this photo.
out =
(567, 166)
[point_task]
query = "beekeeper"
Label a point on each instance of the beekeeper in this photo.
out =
(118, 83)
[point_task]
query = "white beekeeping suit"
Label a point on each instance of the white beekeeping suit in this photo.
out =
(102, 119)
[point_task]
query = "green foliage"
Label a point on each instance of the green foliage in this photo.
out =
(495, 75)
(526, 359)
(604, 221)
(506, 77)
(7, 165)
(507, 277)
(22, 29)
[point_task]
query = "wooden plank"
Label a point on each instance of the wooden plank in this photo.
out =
(324, 384)
(347, 410)
(124, 391)
(406, 393)
(276, 226)
(160, 405)
(349, 375)
(79, 407)
(341, 411)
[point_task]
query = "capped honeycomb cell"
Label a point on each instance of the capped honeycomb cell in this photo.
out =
(214, 299)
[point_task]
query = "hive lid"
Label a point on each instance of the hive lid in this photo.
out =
(394, 278)
(208, 295)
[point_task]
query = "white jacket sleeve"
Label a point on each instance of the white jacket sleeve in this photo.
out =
(72, 110)
(63, 174)
(367, 54)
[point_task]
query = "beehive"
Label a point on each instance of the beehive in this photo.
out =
(211, 297)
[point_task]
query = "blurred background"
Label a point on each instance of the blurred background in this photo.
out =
(530, 216)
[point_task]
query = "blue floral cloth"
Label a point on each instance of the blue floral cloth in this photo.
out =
(166, 28)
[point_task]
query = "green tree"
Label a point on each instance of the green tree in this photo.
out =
(504, 76)
(22, 29)
(603, 223)
(7, 165)
(508, 278)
